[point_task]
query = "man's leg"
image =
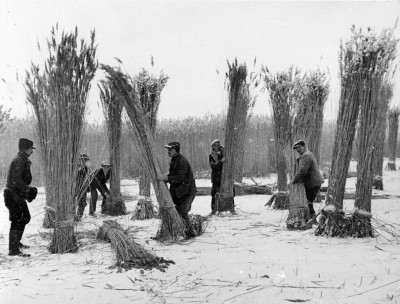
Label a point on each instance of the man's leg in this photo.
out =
(183, 209)
(311, 195)
(214, 190)
(93, 200)
(81, 207)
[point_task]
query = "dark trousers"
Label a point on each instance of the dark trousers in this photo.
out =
(183, 206)
(93, 200)
(214, 189)
(81, 206)
(311, 195)
(19, 218)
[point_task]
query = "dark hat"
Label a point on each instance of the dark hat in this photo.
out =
(84, 156)
(299, 143)
(173, 145)
(25, 144)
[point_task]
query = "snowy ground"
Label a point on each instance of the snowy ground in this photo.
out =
(247, 258)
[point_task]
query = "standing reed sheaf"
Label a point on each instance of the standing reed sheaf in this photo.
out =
(4, 118)
(238, 84)
(385, 95)
(172, 226)
(149, 89)
(58, 96)
(365, 65)
(284, 90)
(392, 137)
(112, 109)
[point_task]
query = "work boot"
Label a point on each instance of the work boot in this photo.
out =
(13, 245)
(20, 245)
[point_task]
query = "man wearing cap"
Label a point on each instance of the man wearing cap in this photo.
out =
(82, 184)
(182, 184)
(100, 177)
(216, 160)
(16, 193)
(308, 173)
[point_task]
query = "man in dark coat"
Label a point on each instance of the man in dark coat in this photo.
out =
(16, 193)
(182, 184)
(307, 173)
(100, 177)
(82, 184)
(216, 160)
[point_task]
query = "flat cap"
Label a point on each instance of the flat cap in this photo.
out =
(299, 143)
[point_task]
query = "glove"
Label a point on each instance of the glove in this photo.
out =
(32, 194)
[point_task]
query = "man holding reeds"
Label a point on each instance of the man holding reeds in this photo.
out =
(16, 193)
(82, 184)
(100, 177)
(182, 184)
(216, 160)
(307, 173)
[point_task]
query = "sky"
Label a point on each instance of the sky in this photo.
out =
(190, 41)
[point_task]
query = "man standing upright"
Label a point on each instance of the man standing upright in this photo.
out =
(307, 173)
(182, 184)
(82, 184)
(16, 193)
(216, 160)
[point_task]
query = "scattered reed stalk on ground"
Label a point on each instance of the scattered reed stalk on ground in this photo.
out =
(149, 90)
(112, 109)
(172, 226)
(129, 253)
(238, 84)
(58, 96)
(392, 137)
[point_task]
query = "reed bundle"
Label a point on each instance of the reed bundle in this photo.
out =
(392, 137)
(144, 209)
(129, 254)
(198, 223)
(365, 61)
(172, 226)
(58, 96)
(149, 90)
(385, 95)
(4, 117)
(112, 109)
(238, 84)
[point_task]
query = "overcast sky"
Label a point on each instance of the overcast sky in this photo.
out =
(189, 40)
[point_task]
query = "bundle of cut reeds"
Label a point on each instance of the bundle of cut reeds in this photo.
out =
(392, 137)
(172, 226)
(144, 209)
(4, 117)
(364, 62)
(198, 223)
(129, 253)
(58, 96)
(112, 108)
(149, 90)
(238, 84)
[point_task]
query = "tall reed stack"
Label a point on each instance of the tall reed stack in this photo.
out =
(172, 226)
(365, 61)
(238, 84)
(112, 109)
(149, 89)
(385, 95)
(284, 91)
(58, 96)
(392, 137)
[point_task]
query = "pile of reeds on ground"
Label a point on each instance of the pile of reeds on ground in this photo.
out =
(144, 209)
(129, 254)
(199, 223)
(58, 96)
(172, 226)
(112, 109)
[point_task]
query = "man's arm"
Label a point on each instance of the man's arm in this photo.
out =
(180, 173)
(18, 168)
(304, 166)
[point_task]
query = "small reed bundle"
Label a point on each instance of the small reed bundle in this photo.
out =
(149, 90)
(364, 63)
(58, 97)
(392, 137)
(129, 253)
(284, 91)
(172, 226)
(112, 108)
(385, 95)
(377, 55)
(240, 102)
(199, 223)
(144, 209)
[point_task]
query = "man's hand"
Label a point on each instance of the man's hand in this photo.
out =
(162, 177)
(222, 160)
(32, 194)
